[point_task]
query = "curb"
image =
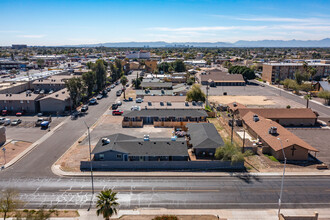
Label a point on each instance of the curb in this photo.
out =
(33, 145)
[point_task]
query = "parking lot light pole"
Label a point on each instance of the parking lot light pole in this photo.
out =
(91, 166)
(280, 199)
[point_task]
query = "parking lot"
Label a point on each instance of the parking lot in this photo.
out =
(318, 138)
(26, 131)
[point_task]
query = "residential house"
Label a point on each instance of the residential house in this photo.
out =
(273, 137)
(284, 116)
(204, 139)
(163, 117)
(121, 147)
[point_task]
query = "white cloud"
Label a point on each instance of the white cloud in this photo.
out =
(215, 28)
(33, 36)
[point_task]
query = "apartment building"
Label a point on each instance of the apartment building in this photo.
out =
(274, 72)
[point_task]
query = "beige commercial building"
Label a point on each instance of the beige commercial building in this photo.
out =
(275, 72)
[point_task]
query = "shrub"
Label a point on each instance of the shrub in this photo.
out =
(166, 217)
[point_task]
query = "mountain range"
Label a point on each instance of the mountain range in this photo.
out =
(260, 43)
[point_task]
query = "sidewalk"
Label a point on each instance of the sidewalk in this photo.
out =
(57, 171)
(229, 214)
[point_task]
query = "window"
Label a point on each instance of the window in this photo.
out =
(101, 156)
(119, 156)
(27, 101)
(21, 101)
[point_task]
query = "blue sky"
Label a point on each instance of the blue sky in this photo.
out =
(63, 22)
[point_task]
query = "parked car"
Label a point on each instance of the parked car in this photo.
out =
(16, 122)
(130, 99)
(136, 108)
(19, 114)
(117, 112)
(112, 86)
(127, 85)
(39, 121)
(4, 112)
(114, 106)
(7, 121)
(44, 124)
(108, 89)
(118, 93)
(2, 120)
(138, 100)
(99, 96)
(92, 102)
(84, 108)
(105, 92)
(119, 103)
(117, 83)
(40, 114)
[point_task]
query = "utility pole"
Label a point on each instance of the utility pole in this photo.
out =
(243, 140)
(282, 183)
(232, 128)
(207, 94)
(91, 166)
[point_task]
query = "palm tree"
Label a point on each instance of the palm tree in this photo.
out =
(106, 204)
(312, 72)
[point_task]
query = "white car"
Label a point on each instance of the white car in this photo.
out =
(7, 121)
(139, 100)
(136, 108)
(2, 120)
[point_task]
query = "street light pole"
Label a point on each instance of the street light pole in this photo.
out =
(4, 154)
(91, 166)
(280, 199)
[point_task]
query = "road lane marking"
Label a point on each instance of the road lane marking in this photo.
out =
(141, 190)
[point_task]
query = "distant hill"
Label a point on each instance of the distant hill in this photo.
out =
(260, 43)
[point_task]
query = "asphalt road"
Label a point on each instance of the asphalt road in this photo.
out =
(322, 110)
(183, 193)
(39, 161)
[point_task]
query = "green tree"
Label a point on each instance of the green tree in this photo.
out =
(179, 66)
(89, 79)
(227, 64)
(123, 81)
(231, 152)
(136, 83)
(325, 95)
(107, 204)
(41, 62)
(300, 77)
(9, 202)
(100, 74)
(75, 87)
(195, 94)
(245, 71)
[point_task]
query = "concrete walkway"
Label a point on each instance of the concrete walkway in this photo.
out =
(230, 214)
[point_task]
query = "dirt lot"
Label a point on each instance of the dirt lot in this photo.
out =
(13, 149)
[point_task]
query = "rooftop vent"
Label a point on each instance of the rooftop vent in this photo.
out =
(105, 141)
(234, 104)
(56, 95)
(255, 118)
(272, 130)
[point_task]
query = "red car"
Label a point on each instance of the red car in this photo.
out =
(117, 112)
(19, 114)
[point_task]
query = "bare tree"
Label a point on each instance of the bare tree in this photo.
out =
(9, 202)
